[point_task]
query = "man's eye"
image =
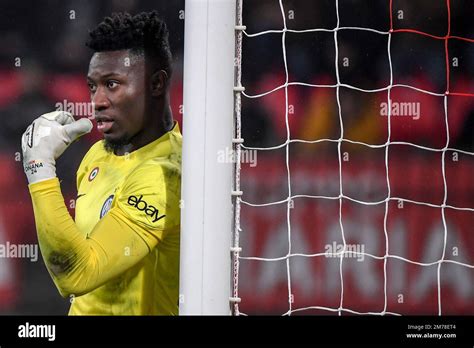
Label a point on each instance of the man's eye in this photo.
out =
(112, 84)
(91, 87)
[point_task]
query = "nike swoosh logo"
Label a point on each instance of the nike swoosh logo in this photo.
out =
(79, 196)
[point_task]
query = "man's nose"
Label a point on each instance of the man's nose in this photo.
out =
(100, 100)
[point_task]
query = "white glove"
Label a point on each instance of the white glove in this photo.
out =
(46, 139)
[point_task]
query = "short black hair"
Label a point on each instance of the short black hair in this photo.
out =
(143, 34)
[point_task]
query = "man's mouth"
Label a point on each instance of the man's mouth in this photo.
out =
(104, 126)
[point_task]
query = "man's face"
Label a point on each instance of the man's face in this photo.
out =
(117, 84)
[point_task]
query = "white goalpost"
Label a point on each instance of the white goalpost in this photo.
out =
(206, 207)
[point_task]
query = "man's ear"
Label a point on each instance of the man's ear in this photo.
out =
(159, 82)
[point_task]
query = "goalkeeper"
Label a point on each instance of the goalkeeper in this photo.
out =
(121, 254)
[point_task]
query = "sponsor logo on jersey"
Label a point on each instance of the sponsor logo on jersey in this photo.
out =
(106, 206)
(141, 205)
(93, 173)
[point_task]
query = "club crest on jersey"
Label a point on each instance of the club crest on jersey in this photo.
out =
(106, 206)
(93, 173)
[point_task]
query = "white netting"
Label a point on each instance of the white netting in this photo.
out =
(241, 30)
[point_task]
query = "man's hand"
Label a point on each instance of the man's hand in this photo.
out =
(46, 139)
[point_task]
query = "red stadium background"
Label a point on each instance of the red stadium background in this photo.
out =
(415, 232)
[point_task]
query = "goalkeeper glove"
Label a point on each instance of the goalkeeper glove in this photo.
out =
(46, 139)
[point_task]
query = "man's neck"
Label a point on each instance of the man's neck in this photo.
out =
(143, 139)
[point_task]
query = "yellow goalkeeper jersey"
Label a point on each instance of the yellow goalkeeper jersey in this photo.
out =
(121, 254)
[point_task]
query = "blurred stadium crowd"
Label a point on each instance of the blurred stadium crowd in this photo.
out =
(417, 60)
(43, 61)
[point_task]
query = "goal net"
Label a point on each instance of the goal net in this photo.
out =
(353, 144)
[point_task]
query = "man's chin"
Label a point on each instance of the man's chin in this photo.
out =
(115, 144)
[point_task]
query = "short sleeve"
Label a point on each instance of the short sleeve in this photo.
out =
(150, 196)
